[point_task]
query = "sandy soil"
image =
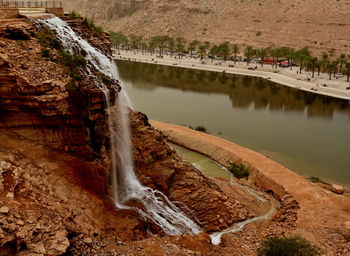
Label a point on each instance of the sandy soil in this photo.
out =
(335, 87)
(321, 212)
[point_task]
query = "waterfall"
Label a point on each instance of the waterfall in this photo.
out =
(151, 204)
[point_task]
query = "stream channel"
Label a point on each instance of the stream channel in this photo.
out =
(212, 169)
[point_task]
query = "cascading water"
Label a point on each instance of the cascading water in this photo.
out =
(152, 204)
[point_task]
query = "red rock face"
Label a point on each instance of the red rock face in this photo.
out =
(36, 99)
(160, 167)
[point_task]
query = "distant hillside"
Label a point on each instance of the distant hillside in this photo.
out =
(320, 24)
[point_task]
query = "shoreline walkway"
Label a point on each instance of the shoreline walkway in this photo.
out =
(334, 88)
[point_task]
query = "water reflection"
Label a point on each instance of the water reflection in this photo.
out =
(243, 91)
(307, 133)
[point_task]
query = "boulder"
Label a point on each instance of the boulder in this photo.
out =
(337, 189)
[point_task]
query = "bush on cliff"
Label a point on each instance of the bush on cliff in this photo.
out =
(72, 60)
(288, 246)
(88, 23)
(238, 170)
(47, 38)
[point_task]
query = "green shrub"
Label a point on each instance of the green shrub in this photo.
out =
(239, 170)
(288, 246)
(73, 15)
(258, 33)
(45, 53)
(88, 23)
(91, 26)
(201, 129)
(47, 38)
(71, 85)
(72, 60)
(75, 76)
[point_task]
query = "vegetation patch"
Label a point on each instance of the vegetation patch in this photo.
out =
(88, 23)
(48, 39)
(288, 246)
(46, 53)
(317, 180)
(72, 60)
(239, 170)
(201, 129)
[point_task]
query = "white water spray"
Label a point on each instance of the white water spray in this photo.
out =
(152, 204)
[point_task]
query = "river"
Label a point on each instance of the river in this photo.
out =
(308, 133)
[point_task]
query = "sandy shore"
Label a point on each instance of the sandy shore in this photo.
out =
(335, 87)
(319, 209)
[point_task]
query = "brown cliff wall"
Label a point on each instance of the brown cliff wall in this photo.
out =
(8, 13)
(38, 101)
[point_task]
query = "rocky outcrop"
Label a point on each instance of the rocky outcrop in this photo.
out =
(160, 167)
(38, 101)
(54, 160)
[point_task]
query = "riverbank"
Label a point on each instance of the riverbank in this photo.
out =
(321, 214)
(334, 88)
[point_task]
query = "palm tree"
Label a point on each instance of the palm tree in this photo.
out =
(235, 50)
(313, 63)
(347, 70)
(332, 65)
(135, 42)
(192, 46)
(224, 50)
(273, 53)
(160, 42)
(151, 46)
(171, 46)
(301, 56)
(336, 63)
(290, 54)
(324, 62)
(117, 39)
(202, 51)
(213, 51)
(262, 52)
(249, 53)
(180, 45)
(143, 47)
(341, 59)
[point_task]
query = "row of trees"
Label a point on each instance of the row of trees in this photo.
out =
(326, 63)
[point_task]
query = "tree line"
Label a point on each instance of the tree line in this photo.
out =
(177, 47)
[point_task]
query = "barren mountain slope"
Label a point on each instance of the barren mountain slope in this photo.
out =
(320, 24)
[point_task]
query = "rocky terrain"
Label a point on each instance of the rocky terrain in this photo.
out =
(55, 162)
(321, 25)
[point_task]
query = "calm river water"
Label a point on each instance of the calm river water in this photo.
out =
(307, 133)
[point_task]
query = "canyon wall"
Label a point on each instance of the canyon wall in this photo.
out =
(320, 25)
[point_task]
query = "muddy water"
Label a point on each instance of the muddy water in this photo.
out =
(206, 165)
(307, 133)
